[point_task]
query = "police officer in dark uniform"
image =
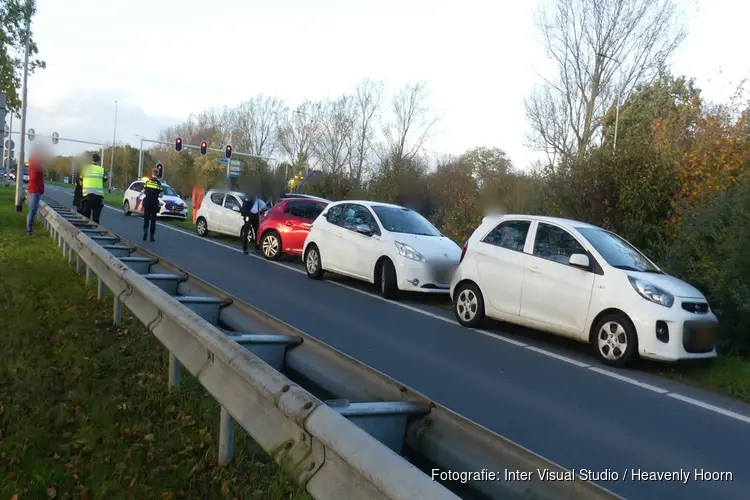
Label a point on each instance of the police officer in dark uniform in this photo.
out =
(250, 226)
(151, 190)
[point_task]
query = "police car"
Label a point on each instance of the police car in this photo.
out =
(170, 203)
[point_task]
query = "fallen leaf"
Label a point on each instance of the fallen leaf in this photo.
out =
(68, 465)
(149, 437)
(51, 492)
(225, 488)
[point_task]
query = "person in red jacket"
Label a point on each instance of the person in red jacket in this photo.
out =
(35, 187)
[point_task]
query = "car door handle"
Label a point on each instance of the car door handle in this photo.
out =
(287, 223)
(535, 270)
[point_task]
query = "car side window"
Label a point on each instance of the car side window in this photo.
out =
(217, 198)
(334, 214)
(137, 186)
(355, 215)
(308, 210)
(555, 244)
(231, 202)
(509, 234)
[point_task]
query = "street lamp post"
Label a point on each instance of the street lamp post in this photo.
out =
(617, 106)
(22, 145)
(140, 156)
(112, 156)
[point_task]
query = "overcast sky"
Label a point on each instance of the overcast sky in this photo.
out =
(164, 59)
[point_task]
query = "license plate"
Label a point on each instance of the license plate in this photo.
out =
(176, 210)
(704, 335)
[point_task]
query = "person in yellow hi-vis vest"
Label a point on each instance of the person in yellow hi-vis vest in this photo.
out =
(93, 189)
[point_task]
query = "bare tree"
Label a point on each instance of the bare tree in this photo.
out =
(297, 133)
(255, 125)
(600, 47)
(410, 125)
(366, 103)
(334, 138)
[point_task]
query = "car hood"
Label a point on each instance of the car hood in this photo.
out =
(172, 199)
(673, 285)
(431, 247)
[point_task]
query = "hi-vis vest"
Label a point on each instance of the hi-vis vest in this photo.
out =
(152, 184)
(93, 180)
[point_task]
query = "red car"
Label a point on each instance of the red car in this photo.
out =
(284, 227)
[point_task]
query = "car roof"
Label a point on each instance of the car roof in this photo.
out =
(371, 204)
(541, 218)
(292, 196)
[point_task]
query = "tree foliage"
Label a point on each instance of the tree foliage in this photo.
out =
(14, 15)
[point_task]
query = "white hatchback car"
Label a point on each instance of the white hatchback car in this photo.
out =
(388, 245)
(171, 205)
(220, 212)
(580, 281)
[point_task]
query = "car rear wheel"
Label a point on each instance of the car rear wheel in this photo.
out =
(126, 208)
(313, 264)
(468, 305)
(201, 226)
(271, 246)
(615, 340)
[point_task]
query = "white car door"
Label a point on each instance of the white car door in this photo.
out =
(554, 292)
(211, 209)
(230, 217)
(326, 234)
(134, 196)
(501, 264)
(359, 252)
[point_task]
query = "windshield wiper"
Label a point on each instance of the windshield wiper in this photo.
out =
(627, 268)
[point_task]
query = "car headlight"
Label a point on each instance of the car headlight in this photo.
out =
(652, 292)
(406, 251)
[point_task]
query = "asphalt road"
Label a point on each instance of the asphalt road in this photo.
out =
(559, 403)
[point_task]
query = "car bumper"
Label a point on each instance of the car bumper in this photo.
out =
(424, 277)
(173, 215)
(674, 334)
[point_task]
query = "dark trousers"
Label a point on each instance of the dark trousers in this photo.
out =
(149, 219)
(92, 205)
(250, 222)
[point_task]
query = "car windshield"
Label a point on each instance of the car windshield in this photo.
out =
(404, 220)
(168, 191)
(618, 252)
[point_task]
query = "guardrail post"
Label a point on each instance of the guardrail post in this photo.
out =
(100, 289)
(65, 249)
(117, 311)
(226, 437)
(89, 274)
(174, 370)
(71, 253)
(78, 264)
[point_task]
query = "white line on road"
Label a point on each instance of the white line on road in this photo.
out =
(601, 371)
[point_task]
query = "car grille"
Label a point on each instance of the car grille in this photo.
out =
(695, 307)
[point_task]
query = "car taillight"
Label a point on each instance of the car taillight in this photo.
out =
(463, 252)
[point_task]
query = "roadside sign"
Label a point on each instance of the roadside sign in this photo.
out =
(31, 133)
(222, 161)
(233, 163)
(9, 144)
(55, 138)
(234, 172)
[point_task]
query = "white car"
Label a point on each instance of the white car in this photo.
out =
(220, 213)
(580, 281)
(170, 203)
(391, 246)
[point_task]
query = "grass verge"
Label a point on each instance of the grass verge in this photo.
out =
(84, 407)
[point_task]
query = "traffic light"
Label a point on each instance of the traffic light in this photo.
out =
(159, 170)
(204, 147)
(228, 152)
(178, 144)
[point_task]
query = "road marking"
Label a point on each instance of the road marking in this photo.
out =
(710, 407)
(596, 369)
(557, 356)
(629, 380)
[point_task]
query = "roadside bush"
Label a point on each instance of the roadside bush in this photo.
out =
(709, 248)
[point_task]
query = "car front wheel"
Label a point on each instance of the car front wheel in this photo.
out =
(126, 207)
(271, 246)
(615, 340)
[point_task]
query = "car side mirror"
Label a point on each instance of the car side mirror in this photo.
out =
(235, 208)
(580, 260)
(364, 229)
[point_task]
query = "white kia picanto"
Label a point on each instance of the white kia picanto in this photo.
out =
(577, 280)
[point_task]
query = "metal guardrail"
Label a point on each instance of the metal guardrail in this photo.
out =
(338, 427)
